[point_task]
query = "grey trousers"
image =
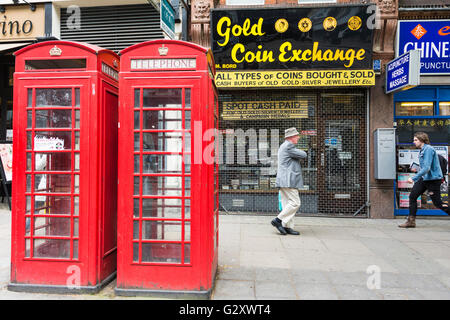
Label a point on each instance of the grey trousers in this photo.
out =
(290, 201)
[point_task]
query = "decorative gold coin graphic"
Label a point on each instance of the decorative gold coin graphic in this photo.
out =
(329, 24)
(281, 25)
(305, 25)
(354, 23)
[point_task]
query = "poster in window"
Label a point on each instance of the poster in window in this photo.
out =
(407, 156)
(6, 156)
(402, 180)
(404, 200)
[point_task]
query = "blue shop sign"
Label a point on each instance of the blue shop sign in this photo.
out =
(402, 73)
(430, 36)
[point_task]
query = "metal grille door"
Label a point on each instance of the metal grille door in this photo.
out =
(342, 170)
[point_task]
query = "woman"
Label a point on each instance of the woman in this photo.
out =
(428, 178)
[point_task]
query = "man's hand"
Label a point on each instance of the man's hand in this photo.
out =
(410, 180)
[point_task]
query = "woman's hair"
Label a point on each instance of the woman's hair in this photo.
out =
(423, 137)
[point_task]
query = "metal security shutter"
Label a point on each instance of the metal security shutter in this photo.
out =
(115, 27)
(332, 132)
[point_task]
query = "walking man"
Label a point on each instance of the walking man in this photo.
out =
(289, 180)
(428, 178)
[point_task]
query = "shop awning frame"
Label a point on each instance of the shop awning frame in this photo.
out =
(6, 46)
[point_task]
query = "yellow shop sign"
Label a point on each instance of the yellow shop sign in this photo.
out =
(282, 109)
(295, 78)
(302, 38)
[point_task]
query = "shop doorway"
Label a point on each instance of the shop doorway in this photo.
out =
(6, 95)
(342, 166)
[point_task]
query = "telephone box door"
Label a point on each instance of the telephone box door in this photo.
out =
(157, 158)
(49, 130)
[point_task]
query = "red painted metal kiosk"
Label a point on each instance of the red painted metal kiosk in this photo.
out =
(64, 214)
(167, 200)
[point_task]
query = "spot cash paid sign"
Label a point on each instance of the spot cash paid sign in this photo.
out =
(273, 47)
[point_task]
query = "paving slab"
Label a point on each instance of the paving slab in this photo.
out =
(275, 289)
(320, 291)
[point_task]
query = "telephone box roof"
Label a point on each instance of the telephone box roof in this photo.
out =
(83, 45)
(164, 41)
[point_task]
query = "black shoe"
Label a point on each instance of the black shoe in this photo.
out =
(292, 231)
(279, 227)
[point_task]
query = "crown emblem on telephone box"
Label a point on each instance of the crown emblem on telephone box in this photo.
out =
(55, 51)
(163, 51)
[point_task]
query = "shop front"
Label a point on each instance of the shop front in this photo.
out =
(424, 108)
(309, 68)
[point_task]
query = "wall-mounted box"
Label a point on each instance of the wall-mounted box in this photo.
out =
(384, 150)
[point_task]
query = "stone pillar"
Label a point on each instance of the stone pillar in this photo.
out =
(200, 13)
(381, 112)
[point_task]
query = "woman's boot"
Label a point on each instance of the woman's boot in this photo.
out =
(409, 223)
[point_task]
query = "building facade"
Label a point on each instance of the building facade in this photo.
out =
(337, 119)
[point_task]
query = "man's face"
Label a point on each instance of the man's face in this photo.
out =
(417, 143)
(294, 139)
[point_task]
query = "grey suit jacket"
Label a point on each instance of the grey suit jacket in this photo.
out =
(289, 173)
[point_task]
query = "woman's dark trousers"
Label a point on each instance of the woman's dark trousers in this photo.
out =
(434, 190)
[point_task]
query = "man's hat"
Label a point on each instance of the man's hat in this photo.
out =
(290, 132)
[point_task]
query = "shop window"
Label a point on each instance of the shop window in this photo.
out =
(11, 76)
(444, 108)
(342, 104)
(414, 109)
(434, 120)
(331, 124)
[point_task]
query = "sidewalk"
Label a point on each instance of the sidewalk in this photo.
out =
(333, 258)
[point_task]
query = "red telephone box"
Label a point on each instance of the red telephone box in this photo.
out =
(64, 214)
(167, 196)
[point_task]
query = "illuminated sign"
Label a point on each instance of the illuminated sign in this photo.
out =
(432, 37)
(300, 78)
